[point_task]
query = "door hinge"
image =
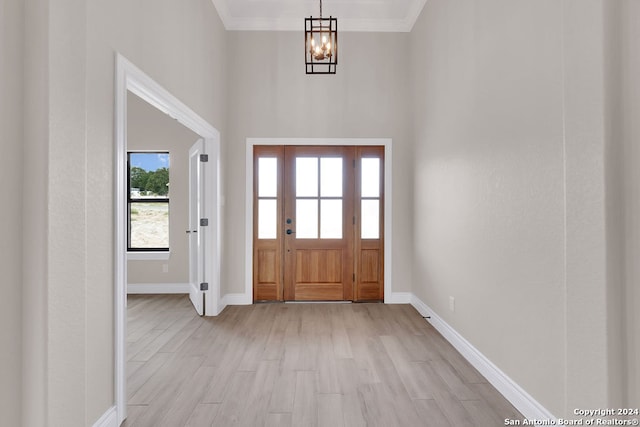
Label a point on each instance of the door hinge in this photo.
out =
(204, 222)
(354, 220)
(204, 286)
(354, 163)
(354, 277)
(204, 158)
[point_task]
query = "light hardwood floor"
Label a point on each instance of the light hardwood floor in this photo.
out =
(298, 365)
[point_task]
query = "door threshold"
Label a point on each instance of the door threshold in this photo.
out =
(318, 302)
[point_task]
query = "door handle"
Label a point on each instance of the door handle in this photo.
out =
(290, 231)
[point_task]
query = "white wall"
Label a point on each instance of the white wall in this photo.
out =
(585, 145)
(70, 58)
(506, 187)
(11, 143)
(488, 182)
(615, 200)
(629, 27)
(510, 191)
(271, 96)
(34, 276)
(150, 129)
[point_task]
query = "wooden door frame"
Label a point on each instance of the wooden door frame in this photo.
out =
(388, 231)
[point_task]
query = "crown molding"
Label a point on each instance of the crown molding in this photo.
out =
(381, 25)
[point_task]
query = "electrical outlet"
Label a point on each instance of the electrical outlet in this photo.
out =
(452, 304)
(165, 268)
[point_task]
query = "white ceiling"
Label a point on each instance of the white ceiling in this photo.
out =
(288, 15)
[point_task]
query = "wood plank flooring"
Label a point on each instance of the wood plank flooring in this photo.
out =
(298, 365)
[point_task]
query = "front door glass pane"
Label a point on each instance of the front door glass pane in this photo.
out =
(306, 219)
(331, 219)
(306, 177)
(331, 177)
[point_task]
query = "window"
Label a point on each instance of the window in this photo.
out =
(267, 197)
(319, 197)
(148, 201)
(370, 198)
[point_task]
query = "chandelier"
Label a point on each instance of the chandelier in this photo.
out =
(321, 44)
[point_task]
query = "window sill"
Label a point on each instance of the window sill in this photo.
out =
(148, 256)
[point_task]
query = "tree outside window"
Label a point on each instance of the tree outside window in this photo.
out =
(148, 201)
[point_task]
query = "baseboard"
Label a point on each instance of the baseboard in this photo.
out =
(398, 298)
(158, 288)
(236, 299)
(245, 299)
(233, 299)
(108, 419)
(515, 394)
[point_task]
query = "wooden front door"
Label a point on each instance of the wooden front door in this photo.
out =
(318, 210)
(318, 216)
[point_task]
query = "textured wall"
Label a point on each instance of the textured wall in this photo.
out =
(36, 136)
(501, 186)
(69, 95)
(181, 46)
(510, 190)
(11, 143)
(615, 200)
(630, 122)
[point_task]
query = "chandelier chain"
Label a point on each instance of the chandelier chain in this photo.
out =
(320, 8)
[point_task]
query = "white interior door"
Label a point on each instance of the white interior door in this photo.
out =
(196, 236)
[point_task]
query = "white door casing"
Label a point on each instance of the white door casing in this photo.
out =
(390, 297)
(130, 78)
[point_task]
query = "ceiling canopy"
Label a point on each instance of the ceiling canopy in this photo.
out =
(288, 15)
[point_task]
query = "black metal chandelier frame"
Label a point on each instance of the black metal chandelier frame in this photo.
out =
(315, 31)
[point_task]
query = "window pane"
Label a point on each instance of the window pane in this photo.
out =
(267, 219)
(149, 225)
(370, 221)
(267, 177)
(370, 177)
(306, 177)
(331, 177)
(331, 219)
(306, 219)
(149, 175)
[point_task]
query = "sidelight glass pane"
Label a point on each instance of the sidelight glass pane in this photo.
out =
(370, 219)
(267, 177)
(331, 177)
(331, 219)
(306, 219)
(267, 219)
(306, 177)
(370, 177)
(149, 225)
